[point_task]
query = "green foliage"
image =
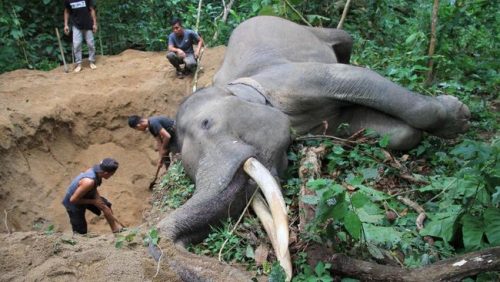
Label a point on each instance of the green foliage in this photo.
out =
(152, 237)
(319, 274)
(69, 241)
(126, 237)
(277, 273)
(461, 213)
(174, 189)
(465, 201)
(236, 248)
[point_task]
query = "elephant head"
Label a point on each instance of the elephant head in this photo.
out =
(230, 144)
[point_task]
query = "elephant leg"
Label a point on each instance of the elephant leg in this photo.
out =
(340, 41)
(402, 136)
(324, 84)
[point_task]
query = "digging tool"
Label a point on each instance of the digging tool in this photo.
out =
(117, 221)
(62, 50)
(152, 184)
(166, 160)
(195, 79)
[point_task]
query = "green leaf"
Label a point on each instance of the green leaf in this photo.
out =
(267, 11)
(384, 141)
(370, 173)
(249, 252)
(50, 230)
(472, 232)
(495, 198)
(410, 39)
(360, 200)
(352, 224)
(381, 235)
(366, 217)
(46, 2)
(492, 225)
(310, 199)
(442, 225)
(69, 241)
(375, 251)
(277, 273)
(373, 194)
(332, 207)
(320, 268)
(119, 242)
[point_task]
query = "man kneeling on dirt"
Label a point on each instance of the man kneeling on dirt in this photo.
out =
(82, 194)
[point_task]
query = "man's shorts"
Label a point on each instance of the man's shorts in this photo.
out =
(77, 216)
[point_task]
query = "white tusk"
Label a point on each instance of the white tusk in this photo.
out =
(274, 198)
(260, 208)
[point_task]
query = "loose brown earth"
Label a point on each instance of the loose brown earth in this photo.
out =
(54, 125)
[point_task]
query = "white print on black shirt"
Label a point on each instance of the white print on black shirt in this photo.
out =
(77, 5)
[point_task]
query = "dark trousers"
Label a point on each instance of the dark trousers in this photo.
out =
(77, 215)
(189, 61)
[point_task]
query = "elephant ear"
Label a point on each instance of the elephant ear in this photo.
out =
(248, 89)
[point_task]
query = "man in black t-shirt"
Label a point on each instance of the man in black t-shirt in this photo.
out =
(161, 127)
(84, 22)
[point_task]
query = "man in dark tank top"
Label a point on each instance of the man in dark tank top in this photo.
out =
(82, 195)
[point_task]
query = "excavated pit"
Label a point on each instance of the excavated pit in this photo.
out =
(54, 125)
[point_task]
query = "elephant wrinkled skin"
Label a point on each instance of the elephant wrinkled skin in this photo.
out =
(277, 76)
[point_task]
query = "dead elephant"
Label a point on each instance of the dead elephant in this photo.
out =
(277, 76)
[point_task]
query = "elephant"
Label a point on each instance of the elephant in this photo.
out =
(278, 80)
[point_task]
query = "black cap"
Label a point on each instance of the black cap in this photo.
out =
(106, 165)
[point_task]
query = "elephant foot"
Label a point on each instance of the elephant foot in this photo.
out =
(456, 119)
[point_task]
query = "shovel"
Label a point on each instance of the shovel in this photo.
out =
(167, 163)
(152, 184)
(61, 50)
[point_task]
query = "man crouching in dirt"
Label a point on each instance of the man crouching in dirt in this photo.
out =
(82, 195)
(162, 128)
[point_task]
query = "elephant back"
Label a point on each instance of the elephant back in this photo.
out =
(266, 41)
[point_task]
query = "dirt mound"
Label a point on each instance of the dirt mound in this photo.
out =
(31, 256)
(54, 125)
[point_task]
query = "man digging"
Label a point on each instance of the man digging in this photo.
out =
(82, 195)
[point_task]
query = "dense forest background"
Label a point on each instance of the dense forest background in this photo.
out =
(457, 182)
(392, 36)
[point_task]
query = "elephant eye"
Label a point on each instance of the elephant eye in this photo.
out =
(205, 124)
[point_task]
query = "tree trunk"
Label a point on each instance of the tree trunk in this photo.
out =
(225, 14)
(432, 44)
(453, 269)
(344, 14)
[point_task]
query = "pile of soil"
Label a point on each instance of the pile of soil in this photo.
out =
(54, 125)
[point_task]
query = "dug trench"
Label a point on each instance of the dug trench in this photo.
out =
(53, 125)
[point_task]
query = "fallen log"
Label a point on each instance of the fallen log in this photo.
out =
(310, 168)
(452, 269)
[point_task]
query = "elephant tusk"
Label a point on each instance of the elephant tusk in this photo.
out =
(262, 211)
(274, 198)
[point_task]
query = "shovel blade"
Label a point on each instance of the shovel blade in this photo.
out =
(152, 184)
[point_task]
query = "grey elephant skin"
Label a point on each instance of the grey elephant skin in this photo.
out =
(279, 77)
